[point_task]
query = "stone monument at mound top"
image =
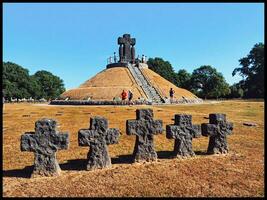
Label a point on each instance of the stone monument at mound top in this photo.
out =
(126, 50)
(126, 72)
(126, 53)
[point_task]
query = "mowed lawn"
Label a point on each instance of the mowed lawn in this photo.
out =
(239, 173)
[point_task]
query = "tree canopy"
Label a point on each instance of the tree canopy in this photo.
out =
(162, 67)
(17, 83)
(183, 79)
(252, 71)
(206, 82)
(51, 86)
(236, 91)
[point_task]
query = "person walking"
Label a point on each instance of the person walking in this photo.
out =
(130, 96)
(123, 95)
(115, 58)
(171, 95)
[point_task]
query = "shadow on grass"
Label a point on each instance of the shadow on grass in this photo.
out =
(201, 153)
(80, 164)
(123, 159)
(19, 173)
(171, 155)
(77, 164)
(165, 154)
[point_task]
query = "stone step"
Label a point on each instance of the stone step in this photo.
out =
(141, 80)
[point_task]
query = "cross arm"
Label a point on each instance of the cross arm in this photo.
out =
(132, 41)
(208, 129)
(61, 141)
(172, 131)
(131, 127)
(229, 127)
(195, 131)
(112, 136)
(157, 126)
(28, 142)
(121, 40)
(86, 136)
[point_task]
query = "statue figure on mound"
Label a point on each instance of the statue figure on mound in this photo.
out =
(126, 49)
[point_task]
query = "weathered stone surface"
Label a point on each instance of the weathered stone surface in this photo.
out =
(44, 142)
(183, 131)
(217, 129)
(97, 138)
(126, 49)
(144, 127)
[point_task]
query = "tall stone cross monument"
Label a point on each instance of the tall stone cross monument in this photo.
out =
(126, 49)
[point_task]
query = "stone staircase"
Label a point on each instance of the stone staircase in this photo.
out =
(141, 80)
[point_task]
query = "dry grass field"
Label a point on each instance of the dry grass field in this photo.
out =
(239, 173)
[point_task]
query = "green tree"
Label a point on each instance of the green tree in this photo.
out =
(51, 86)
(206, 82)
(236, 91)
(163, 68)
(35, 88)
(16, 81)
(252, 71)
(183, 79)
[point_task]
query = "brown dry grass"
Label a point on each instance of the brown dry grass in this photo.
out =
(105, 85)
(109, 83)
(240, 173)
(164, 85)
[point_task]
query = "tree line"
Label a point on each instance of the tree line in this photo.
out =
(206, 82)
(17, 83)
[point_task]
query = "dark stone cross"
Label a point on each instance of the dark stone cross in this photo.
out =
(217, 129)
(126, 49)
(45, 142)
(144, 127)
(183, 131)
(97, 138)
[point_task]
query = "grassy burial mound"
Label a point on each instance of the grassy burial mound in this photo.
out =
(238, 173)
(109, 83)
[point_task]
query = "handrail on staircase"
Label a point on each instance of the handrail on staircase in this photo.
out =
(158, 90)
(135, 78)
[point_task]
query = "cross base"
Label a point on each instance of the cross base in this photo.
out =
(45, 165)
(144, 152)
(98, 158)
(217, 145)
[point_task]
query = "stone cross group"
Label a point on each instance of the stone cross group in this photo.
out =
(46, 140)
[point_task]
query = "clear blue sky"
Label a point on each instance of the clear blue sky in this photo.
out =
(73, 40)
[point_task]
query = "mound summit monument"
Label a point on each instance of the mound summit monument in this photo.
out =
(127, 72)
